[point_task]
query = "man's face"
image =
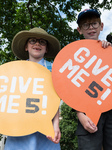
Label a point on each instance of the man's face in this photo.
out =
(91, 29)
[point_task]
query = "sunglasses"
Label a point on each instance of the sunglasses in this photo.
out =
(42, 42)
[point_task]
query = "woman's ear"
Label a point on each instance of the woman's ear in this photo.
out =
(79, 30)
(46, 49)
(26, 48)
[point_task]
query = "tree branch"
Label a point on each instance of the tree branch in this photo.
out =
(56, 9)
(28, 4)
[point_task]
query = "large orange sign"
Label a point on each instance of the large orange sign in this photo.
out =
(82, 77)
(28, 101)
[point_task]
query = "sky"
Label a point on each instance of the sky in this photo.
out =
(106, 18)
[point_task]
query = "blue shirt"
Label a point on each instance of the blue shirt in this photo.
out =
(35, 141)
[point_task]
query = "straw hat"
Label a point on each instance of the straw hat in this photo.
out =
(19, 42)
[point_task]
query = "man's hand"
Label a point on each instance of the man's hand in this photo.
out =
(86, 122)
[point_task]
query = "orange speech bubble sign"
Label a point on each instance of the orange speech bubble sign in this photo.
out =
(82, 77)
(28, 99)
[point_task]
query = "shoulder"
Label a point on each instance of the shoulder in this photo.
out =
(48, 65)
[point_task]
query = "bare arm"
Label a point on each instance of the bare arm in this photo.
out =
(86, 122)
(56, 129)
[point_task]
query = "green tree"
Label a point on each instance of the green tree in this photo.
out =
(52, 15)
(109, 37)
(68, 125)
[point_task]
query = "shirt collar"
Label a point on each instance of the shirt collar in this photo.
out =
(41, 62)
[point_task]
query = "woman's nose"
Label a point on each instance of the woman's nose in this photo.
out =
(37, 42)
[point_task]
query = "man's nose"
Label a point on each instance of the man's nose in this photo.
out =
(90, 26)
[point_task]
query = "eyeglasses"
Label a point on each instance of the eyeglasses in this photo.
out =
(42, 42)
(86, 26)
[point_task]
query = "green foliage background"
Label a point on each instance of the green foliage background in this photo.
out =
(53, 16)
(68, 125)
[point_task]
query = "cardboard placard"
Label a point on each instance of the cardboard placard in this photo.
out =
(82, 77)
(28, 101)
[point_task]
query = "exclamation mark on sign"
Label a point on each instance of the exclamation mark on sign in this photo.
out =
(44, 104)
(104, 96)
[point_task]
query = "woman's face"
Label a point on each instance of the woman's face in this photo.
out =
(36, 48)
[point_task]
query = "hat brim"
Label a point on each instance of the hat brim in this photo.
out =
(20, 39)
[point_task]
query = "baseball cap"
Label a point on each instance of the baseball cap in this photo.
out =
(86, 12)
